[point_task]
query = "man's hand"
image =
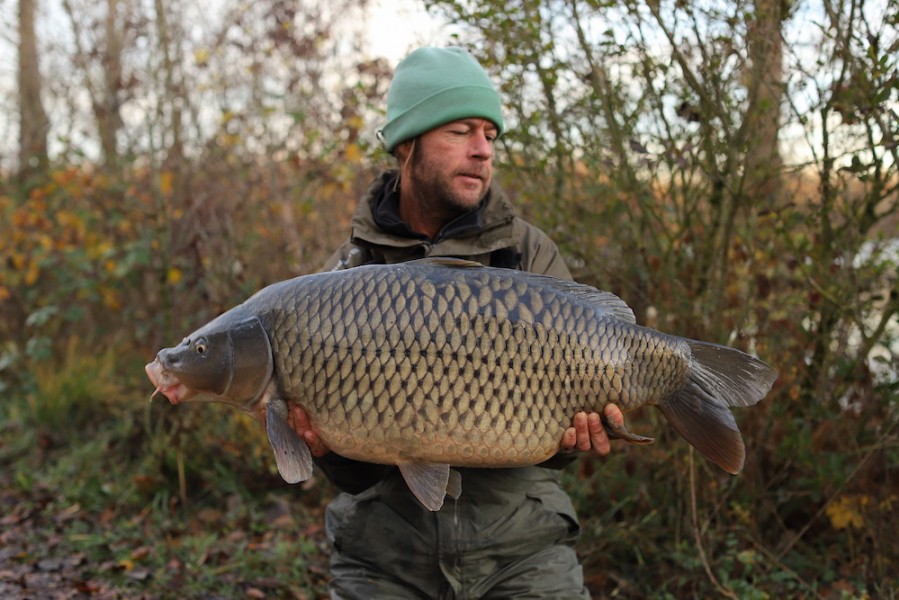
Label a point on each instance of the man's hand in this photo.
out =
(297, 418)
(588, 434)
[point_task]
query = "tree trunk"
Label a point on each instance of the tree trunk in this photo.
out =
(106, 106)
(105, 94)
(173, 89)
(764, 164)
(34, 126)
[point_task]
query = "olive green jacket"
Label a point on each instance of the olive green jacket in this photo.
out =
(492, 234)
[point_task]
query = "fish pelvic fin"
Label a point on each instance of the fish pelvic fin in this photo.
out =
(292, 455)
(454, 484)
(431, 482)
(720, 377)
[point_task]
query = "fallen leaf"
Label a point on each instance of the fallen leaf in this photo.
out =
(49, 564)
(68, 514)
(125, 564)
(138, 574)
(87, 587)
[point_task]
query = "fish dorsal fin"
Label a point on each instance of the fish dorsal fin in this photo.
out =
(291, 453)
(604, 303)
(431, 482)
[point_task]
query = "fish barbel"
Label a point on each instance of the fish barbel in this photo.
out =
(442, 362)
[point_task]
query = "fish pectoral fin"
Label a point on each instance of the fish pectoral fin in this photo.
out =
(431, 482)
(291, 453)
(620, 432)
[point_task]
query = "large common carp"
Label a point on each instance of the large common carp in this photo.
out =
(441, 362)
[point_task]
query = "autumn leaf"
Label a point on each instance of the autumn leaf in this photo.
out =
(847, 511)
(201, 57)
(166, 180)
(33, 273)
(173, 276)
(352, 153)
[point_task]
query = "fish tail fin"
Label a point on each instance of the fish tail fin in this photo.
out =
(720, 377)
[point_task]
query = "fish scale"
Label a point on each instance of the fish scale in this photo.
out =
(444, 362)
(381, 338)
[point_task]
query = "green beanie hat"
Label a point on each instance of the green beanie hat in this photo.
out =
(433, 86)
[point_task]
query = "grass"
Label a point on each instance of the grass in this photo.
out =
(110, 494)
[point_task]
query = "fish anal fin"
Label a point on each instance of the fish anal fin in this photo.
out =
(708, 426)
(292, 455)
(430, 482)
(620, 432)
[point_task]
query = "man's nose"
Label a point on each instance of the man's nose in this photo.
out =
(481, 145)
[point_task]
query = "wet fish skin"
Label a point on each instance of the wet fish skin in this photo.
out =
(441, 362)
(405, 372)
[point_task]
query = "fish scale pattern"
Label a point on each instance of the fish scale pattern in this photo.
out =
(467, 366)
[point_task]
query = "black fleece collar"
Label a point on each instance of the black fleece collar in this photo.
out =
(386, 214)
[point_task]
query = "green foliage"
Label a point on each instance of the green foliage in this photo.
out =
(67, 396)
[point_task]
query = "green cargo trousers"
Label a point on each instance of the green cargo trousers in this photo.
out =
(511, 534)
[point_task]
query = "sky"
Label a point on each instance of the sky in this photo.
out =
(394, 28)
(398, 26)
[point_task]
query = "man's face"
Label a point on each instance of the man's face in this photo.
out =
(452, 165)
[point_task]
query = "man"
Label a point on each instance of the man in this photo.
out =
(511, 532)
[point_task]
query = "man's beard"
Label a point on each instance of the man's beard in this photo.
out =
(435, 192)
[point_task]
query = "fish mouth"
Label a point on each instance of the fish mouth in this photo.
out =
(166, 383)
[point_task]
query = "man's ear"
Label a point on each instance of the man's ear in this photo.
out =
(403, 153)
(403, 150)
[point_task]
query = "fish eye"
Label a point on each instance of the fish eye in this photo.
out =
(200, 346)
